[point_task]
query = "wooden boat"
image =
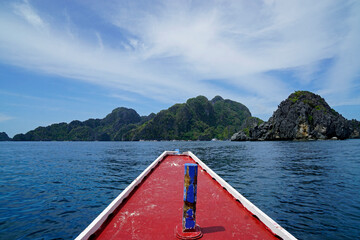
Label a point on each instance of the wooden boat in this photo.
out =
(151, 207)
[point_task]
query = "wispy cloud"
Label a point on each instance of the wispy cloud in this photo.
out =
(101, 45)
(123, 97)
(4, 117)
(17, 95)
(168, 49)
(25, 10)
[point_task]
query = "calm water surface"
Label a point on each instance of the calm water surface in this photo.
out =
(53, 190)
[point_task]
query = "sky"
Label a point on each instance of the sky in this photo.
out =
(63, 60)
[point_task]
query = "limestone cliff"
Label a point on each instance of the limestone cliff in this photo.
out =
(303, 115)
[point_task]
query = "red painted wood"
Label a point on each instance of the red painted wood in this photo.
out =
(155, 209)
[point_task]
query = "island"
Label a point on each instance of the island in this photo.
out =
(302, 116)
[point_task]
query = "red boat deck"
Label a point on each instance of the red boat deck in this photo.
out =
(154, 208)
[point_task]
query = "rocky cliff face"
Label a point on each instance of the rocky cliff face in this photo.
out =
(303, 115)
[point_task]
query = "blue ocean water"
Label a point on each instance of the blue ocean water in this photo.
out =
(53, 190)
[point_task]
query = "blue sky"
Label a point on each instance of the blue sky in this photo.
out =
(78, 59)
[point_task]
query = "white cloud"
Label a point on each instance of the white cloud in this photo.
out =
(238, 40)
(170, 48)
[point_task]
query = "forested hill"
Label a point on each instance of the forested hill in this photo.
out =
(112, 127)
(197, 119)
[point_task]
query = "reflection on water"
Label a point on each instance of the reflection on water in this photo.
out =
(55, 189)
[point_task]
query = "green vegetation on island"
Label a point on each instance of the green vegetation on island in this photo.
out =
(197, 119)
(111, 127)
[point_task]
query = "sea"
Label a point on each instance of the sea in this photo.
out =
(54, 190)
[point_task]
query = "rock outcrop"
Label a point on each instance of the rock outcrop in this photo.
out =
(355, 129)
(302, 116)
(249, 123)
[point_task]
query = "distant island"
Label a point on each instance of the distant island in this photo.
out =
(302, 116)
(4, 137)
